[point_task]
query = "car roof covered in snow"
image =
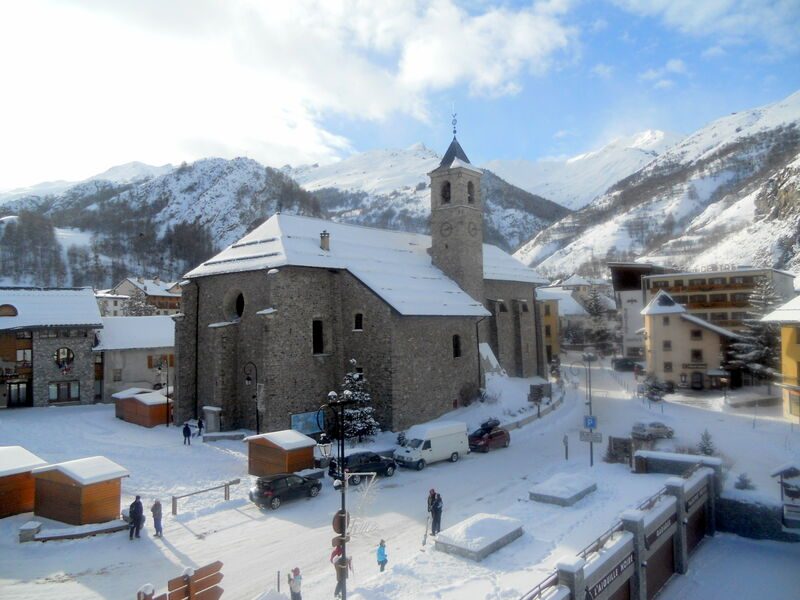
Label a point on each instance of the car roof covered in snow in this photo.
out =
(287, 439)
(433, 429)
(54, 307)
(129, 333)
(87, 471)
(393, 264)
(16, 459)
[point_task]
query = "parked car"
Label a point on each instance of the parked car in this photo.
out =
(649, 431)
(488, 437)
(433, 442)
(623, 364)
(364, 462)
(273, 490)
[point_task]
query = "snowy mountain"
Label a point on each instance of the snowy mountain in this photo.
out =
(574, 182)
(131, 172)
(389, 188)
(686, 206)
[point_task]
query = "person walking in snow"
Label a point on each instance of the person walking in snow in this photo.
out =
(187, 434)
(382, 557)
(295, 580)
(436, 514)
(136, 515)
(342, 566)
(431, 498)
(156, 510)
(200, 426)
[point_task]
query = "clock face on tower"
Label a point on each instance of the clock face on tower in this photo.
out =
(445, 229)
(472, 229)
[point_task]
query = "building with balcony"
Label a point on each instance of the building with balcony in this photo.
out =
(164, 296)
(788, 317)
(626, 279)
(720, 297)
(684, 349)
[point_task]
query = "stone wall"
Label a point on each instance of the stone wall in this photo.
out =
(513, 334)
(45, 370)
(752, 520)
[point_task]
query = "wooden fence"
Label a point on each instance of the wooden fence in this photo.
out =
(226, 486)
(197, 584)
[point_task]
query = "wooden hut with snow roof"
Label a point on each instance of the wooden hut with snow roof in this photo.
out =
(82, 491)
(17, 486)
(147, 408)
(286, 451)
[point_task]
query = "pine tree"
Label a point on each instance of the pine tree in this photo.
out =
(359, 420)
(706, 445)
(597, 311)
(137, 306)
(758, 349)
(743, 482)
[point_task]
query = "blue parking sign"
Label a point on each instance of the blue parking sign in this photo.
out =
(589, 422)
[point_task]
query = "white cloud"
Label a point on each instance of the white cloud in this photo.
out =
(599, 25)
(96, 84)
(714, 52)
(660, 75)
(602, 70)
(563, 133)
(772, 22)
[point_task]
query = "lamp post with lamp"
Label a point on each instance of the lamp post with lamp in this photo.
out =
(341, 519)
(166, 389)
(248, 367)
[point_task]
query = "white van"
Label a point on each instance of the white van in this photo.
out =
(431, 442)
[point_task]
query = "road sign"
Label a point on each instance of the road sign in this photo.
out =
(589, 422)
(594, 437)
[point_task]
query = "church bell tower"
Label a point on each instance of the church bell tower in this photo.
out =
(457, 220)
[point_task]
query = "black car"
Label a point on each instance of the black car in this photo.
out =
(623, 364)
(273, 490)
(364, 462)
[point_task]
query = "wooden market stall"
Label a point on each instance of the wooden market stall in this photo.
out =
(16, 482)
(284, 451)
(87, 490)
(147, 408)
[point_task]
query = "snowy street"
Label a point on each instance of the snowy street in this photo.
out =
(255, 544)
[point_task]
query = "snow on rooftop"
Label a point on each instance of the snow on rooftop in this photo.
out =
(152, 398)
(567, 304)
(129, 393)
(154, 287)
(50, 308)
(458, 163)
(786, 313)
(87, 471)
(16, 459)
(395, 265)
(128, 333)
(576, 280)
(663, 304)
(287, 439)
(792, 469)
(501, 266)
(710, 326)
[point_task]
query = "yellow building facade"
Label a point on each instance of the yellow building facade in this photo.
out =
(788, 316)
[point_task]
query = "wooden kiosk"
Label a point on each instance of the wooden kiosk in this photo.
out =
(17, 485)
(284, 451)
(87, 490)
(147, 408)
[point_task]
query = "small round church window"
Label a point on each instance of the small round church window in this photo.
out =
(233, 305)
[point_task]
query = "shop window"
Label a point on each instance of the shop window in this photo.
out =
(64, 391)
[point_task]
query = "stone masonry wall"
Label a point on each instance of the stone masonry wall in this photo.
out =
(46, 372)
(516, 329)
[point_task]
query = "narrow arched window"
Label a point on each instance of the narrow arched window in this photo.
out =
(445, 192)
(358, 322)
(456, 346)
(470, 192)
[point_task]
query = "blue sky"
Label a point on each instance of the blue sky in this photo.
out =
(99, 84)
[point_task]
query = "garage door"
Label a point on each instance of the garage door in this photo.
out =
(696, 528)
(660, 567)
(623, 593)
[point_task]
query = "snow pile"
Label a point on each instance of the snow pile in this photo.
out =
(271, 595)
(16, 459)
(152, 398)
(287, 439)
(130, 392)
(127, 333)
(478, 531)
(87, 471)
(563, 485)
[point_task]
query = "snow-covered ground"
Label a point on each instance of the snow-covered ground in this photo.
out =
(254, 544)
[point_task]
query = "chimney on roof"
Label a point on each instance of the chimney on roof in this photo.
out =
(140, 280)
(156, 279)
(325, 240)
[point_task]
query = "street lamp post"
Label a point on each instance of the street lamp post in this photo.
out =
(337, 406)
(166, 394)
(250, 366)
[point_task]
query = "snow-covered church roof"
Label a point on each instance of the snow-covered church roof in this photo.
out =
(57, 307)
(393, 264)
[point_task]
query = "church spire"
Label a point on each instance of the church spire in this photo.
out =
(454, 151)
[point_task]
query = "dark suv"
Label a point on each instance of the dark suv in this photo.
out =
(623, 364)
(273, 490)
(364, 462)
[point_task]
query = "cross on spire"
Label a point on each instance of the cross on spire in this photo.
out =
(454, 121)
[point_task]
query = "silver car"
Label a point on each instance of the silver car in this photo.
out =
(649, 431)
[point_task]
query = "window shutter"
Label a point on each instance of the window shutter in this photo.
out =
(149, 362)
(171, 360)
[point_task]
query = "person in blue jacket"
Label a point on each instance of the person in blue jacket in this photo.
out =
(382, 558)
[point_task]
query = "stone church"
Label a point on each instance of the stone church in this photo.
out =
(271, 323)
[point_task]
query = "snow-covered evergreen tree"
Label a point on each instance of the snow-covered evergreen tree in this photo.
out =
(137, 306)
(758, 350)
(360, 419)
(706, 445)
(597, 311)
